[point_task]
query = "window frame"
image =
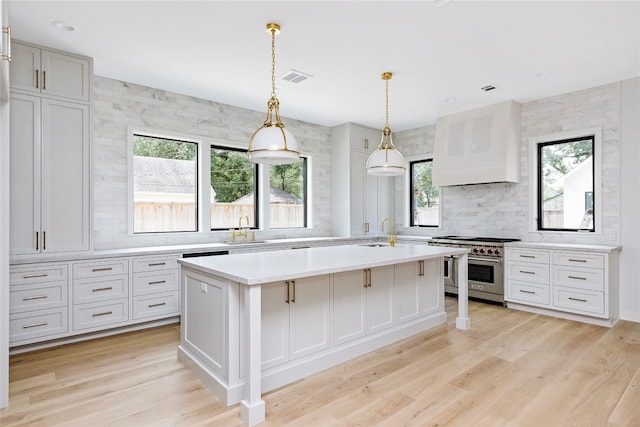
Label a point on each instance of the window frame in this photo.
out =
(131, 134)
(305, 196)
(535, 182)
(256, 187)
(408, 211)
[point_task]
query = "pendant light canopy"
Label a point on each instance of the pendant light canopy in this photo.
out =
(272, 143)
(386, 160)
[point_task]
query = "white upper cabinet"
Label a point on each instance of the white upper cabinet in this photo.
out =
(49, 72)
(478, 146)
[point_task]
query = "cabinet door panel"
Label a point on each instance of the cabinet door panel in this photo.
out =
(349, 296)
(65, 177)
(275, 325)
(65, 75)
(24, 173)
(309, 315)
(380, 298)
(25, 60)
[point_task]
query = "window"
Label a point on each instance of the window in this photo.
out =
(424, 198)
(288, 195)
(566, 184)
(165, 185)
(234, 198)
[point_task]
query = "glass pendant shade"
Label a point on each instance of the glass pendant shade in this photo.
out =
(272, 143)
(386, 160)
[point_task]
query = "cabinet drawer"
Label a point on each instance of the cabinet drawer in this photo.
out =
(37, 296)
(94, 315)
(524, 255)
(155, 263)
(154, 282)
(581, 278)
(156, 305)
(579, 259)
(528, 272)
(100, 289)
(531, 293)
(38, 273)
(580, 300)
(38, 324)
(105, 267)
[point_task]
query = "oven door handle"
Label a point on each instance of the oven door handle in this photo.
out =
(493, 260)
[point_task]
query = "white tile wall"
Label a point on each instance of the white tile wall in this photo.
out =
(502, 209)
(118, 105)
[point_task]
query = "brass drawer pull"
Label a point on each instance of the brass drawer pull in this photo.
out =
(527, 272)
(577, 260)
(35, 325)
(157, 305)
(527, 292)
(158, 282)
(33, 276)
(102, 269)
(577, 277)
(155, 264)
(288, 300)
(29, 298)
(105, 313)
(110, 288)
(527, 256)
(577, 299)
(421, 268)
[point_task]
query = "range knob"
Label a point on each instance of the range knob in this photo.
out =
(475, 250)
(497, 252)
(489, 251)
(481, 251)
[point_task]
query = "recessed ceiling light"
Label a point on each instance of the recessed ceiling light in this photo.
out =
(63, 26)
(450, 100)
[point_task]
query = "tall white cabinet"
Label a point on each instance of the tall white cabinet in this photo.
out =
(359, 201)
(50, 135)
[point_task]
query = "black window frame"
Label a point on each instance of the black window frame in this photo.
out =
(412, 223)
(540, 184)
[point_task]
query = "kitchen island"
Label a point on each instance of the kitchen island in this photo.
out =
(257, 321)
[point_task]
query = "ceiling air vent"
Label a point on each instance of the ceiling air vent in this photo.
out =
(294, 76)
(488, 88)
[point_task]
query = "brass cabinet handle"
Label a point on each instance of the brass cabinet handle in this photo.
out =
(44, 79)
(35, 325)
(154, 264)
(367, 277)
(526, 256)
(527, 272)
(44, 240)
(105, 313)
(37, 241)
(32, 297)
(421, 268)
(288, 296)
(7, 55)
(527, 292)
(157, 305)
(32, 276)
(110, 288)
(366, 143)
(577, 299)
(366, 227)
(93, 270)
(293, 300)
(577, 277)
(37, 80)
(577, 260)
(158, 282)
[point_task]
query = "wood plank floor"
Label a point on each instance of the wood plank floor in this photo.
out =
(511, 369)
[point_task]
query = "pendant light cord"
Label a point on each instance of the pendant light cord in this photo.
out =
(387, 103)
(273, 62)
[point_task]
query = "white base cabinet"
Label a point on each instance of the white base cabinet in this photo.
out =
(574, 281)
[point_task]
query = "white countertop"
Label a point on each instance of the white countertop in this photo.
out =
(265, 267)
(564, 246)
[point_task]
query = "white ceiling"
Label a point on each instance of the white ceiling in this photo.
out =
(219, 50)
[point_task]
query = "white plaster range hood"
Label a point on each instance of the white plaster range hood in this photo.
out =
(478, 146)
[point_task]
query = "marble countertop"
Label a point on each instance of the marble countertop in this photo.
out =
(563, 246)
(265, 267)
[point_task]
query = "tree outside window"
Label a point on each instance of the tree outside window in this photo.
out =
(424, 198)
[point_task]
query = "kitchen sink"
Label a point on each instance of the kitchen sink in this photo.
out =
(374, 245)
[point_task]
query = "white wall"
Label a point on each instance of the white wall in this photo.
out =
(503, 209)
(630, 200)
(118, 105)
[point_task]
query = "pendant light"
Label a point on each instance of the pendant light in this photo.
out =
(386, 160)
(272, 143)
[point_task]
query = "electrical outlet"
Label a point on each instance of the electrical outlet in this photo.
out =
(203, 288)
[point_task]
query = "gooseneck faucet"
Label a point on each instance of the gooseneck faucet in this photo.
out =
(241, 231)
(392, 235)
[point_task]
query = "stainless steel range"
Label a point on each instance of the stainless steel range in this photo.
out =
(486, 270)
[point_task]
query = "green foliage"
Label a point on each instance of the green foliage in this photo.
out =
(289, 178)
(232, 175)
(560, 159)
(148, 146)
(427, 194)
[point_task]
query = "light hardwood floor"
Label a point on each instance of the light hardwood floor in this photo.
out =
(511, 369)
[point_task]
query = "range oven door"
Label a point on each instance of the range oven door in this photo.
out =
(486, 277)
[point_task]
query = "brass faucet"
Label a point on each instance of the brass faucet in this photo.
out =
(392, 236)
(241, 231)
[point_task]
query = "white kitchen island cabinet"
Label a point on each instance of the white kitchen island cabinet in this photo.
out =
(256, 321)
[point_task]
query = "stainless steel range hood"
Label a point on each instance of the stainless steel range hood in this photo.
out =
(478, 146)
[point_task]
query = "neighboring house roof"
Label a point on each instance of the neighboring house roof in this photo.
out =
(153, 174)
(276, 196)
